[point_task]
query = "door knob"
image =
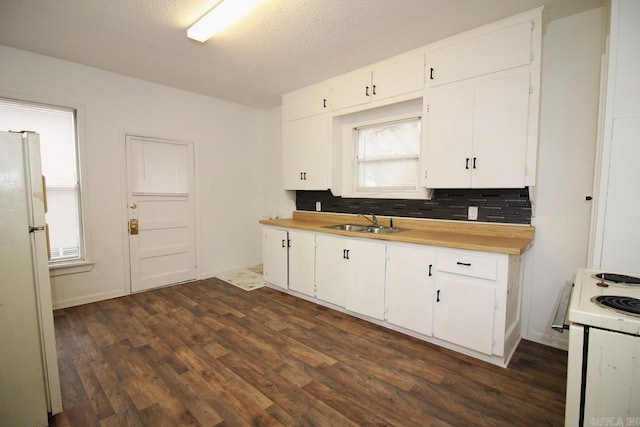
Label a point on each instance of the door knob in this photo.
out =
(133, 205)
(133, 227)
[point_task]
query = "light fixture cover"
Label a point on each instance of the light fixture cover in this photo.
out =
(220, 17)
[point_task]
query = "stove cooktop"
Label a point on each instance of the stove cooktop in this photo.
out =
(607, 300)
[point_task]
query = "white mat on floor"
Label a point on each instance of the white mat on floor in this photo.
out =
(243, 279)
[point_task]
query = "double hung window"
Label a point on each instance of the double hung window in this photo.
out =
(387, 156)
(58, 149)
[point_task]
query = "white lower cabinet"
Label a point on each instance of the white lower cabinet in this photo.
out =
(330, 269)
(463, 312)
(275, 256)
(477, 300)
(468, 299)
(409, 287)
(350, 274)
(302, 260)
(365, 280)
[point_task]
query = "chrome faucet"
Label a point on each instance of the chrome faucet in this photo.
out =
(373, 220)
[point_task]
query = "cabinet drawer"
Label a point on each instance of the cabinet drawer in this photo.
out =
(467, 265)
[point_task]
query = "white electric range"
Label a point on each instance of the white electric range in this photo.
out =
(603, 371)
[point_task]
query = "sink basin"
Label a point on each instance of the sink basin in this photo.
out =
(382, 230)
(374, 229)
(349, 227)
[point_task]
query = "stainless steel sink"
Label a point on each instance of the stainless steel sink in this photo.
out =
(374, 229)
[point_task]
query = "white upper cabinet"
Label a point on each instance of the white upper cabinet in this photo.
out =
(483, 101)
(390, 79)
(481, 109)
(306, 153)
(307, 102)
(496, 50)
(478, 133)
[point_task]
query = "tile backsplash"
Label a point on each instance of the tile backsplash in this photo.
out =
(509, 205)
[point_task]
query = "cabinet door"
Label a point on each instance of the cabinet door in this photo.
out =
(398, 78)
(274, 256)
(409, 288)
(331, 269)
(305, 154)
(450, 137)
(306, 102)
(498, 50)
(351, 90)
(500, 129)
(478, 133)
(365, 278)
(463, 311)
(302, 262)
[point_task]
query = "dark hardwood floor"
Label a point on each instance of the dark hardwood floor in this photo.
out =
(207, 353)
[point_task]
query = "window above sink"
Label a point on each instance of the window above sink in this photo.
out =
(379, 153)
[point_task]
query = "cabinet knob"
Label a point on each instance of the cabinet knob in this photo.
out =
(324, 103)
(366, 90)
(588, 198)
(466, 165)
(374, 89)
(430, 266)
(431, 74)
(474, 163)
(438, 295)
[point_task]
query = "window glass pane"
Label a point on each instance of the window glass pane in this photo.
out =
(387, 156)
(389, 140)
(57, 129)
(393, 174)
(159, 168)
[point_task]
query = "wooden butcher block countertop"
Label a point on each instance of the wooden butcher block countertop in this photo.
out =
(500, 238)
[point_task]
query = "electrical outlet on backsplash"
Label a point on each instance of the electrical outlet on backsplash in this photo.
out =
(505, 205)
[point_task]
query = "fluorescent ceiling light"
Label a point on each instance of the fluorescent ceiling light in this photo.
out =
(220, 17)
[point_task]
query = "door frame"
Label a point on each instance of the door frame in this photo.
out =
(124, 200)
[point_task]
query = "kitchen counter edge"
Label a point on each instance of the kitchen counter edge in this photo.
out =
(499, 238)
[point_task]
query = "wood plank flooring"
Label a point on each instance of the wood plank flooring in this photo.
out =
(207, 353)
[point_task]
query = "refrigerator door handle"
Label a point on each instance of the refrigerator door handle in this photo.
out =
(44, 194)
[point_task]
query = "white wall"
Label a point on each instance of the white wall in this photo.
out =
(229, 163)
(572, 49)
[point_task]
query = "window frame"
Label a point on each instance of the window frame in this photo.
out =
(349, 170)
(83, 262)
(358, 161)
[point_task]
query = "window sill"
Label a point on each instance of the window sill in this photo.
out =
(71, 267)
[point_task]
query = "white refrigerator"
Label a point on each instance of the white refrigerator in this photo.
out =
(29, 378)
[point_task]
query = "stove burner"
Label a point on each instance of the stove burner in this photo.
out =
(619, 279)
(620, 304)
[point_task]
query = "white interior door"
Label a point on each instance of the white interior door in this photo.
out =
(161, 210)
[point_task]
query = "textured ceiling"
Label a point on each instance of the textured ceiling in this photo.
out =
(281, 46)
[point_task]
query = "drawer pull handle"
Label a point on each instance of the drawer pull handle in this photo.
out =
(438, 296)
(466, 264)
(430, 266)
